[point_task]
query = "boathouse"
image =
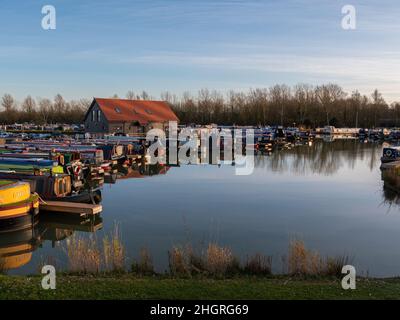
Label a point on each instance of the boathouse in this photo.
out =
(122, 116)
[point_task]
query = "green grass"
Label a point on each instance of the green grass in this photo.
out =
(128, 286)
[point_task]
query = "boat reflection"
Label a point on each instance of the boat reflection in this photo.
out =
(17, 246)
(55, 228)
(300, 158)
(391, 186)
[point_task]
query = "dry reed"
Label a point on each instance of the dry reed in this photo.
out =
(303, 262)
(179, 259)
(219, 260)
(83, 254)
(144, 266)
(214, 261)
(114, 252)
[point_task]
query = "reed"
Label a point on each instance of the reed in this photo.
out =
(258, 264)
(47, 260)
(220, 261)
(83, 254)
(213, 261)
(179, 259)
(144, 266)
(114, 251)
(303, 262)
(334, 265)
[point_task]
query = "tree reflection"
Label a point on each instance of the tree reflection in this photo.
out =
(321, 157)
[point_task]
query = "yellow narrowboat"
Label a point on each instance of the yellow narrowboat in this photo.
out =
(18, 205)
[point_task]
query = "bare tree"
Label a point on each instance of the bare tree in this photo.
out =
(130, 95)
(45, 108)
(8, 102)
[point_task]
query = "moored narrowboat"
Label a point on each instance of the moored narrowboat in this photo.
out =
(18, 205)
(55, 187)
(390, 154)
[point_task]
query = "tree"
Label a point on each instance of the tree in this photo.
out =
(377, 103)
(29, 109)
(9, 113)
(45, 108)
(130, 95)
(327, 96)
(8, 102)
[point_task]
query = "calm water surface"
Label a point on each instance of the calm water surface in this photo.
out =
(330, 195)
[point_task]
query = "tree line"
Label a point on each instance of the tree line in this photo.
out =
(42, 110)
(302, 104)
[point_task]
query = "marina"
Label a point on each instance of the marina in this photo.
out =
(123, 193)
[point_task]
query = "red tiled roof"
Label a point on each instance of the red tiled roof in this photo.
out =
(143, 111)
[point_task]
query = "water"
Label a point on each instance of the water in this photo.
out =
(330, 195)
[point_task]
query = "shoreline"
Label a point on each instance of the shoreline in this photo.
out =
(127, 286)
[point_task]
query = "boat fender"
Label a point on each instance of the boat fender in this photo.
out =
(77, 171)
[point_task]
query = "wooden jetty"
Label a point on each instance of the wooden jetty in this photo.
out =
(82, 209)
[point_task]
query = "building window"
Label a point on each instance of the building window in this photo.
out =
(149, 111)
(117, 110)
(98, 115)
(93, 115)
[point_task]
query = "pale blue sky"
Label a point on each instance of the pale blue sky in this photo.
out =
(104, 47)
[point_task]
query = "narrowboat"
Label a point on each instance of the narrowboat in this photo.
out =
(363, 133)
(394, 135)
(26, 164)
(112, 152)
(390, 154)
(56, 187)
(18, 206)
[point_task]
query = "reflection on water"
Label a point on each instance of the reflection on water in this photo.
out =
(391, 187)
(16, 247)
(321, 157)
(331, 194)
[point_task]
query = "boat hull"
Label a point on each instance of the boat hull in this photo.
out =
(29, 207)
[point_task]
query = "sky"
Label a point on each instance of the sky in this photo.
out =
(101, 47)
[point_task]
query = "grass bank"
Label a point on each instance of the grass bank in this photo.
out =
(129, 286)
